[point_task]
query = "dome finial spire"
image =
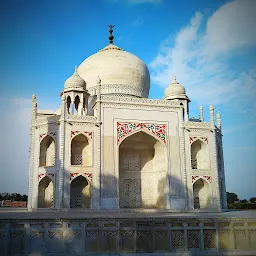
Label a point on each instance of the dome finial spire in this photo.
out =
(111, 37)
(75, 69)
(174, 81)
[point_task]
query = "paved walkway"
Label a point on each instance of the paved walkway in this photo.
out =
(23, 213)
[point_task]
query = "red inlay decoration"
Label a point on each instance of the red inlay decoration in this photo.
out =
(40, 176)
(123, 129)
(89, 134)
(88, 176)
(73, 175)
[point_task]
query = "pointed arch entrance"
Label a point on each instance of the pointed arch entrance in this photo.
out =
(80, 193)
(202, 194)
(142, 172)
(45, 193)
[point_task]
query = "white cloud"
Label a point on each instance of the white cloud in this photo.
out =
(196, 55)
(232, 26)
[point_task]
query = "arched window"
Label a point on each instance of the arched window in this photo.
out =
(45, 193)
(80, 193)
(199, 155)
(80, 151)
(77, 101)
(47, 152)
(202, 195)
(68, 104)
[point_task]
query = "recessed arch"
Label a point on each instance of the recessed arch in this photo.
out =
(47, 151)
(80, 192)
(81, 150)
(200, 155)
(202, 194)
(45, 193)
(142, 172)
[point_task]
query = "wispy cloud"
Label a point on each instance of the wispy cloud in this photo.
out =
(200, 56)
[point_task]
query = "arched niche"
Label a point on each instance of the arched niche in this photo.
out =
(81, 150)
(199, 155)
(142, 172)
(47, 152)
(80, 193)
(45, 193)
(202, 194)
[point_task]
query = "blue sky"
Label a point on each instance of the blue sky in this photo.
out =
(210, 45)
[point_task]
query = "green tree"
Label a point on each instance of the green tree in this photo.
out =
(231, 198)
(253, 200)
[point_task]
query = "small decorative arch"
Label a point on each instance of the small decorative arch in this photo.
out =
(80, 192)
(156, 130)
(81, 149)
(45, 193)
(47, 150)
(200, 154)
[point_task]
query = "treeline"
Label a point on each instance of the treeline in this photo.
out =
(235, 203)
(13, 197)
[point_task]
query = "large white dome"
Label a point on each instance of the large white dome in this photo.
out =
(120, 72)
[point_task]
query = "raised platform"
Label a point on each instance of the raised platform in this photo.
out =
(133, 232)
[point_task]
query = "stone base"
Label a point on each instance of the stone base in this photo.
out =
(130, 232)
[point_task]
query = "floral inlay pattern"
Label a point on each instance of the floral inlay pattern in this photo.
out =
(75, 174)
(123, 129)
(197, 177)
(74, 133)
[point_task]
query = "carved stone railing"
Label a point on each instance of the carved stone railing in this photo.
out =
(70, 117)
(69, 236)
(48, 120)
(200, 125)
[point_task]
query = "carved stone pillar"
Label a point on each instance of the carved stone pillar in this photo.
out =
(60, 179)
(32, 149)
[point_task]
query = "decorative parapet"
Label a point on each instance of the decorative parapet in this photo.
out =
(48, 120)
(123, 129)
(120, 89)
(79, 118)
(139, 101)
(200, 125)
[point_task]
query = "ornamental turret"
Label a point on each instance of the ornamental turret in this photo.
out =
(76, 95)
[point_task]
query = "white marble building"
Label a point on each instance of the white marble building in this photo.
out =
(110, 147)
